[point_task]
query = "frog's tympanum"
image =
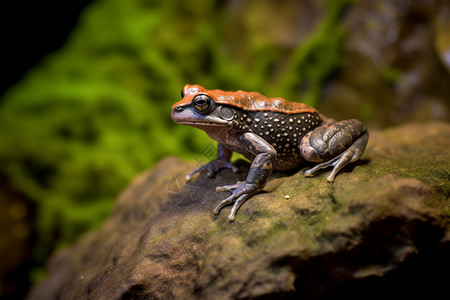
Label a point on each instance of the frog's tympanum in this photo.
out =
(271, 132)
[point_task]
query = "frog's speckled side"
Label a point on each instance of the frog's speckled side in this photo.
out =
(282, 131)
(273, 133)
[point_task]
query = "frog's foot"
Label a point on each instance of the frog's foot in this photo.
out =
(337, 163)
(212, 168)
(240, 192)
(353, 153)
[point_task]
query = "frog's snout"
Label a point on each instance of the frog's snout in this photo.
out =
(179, 113)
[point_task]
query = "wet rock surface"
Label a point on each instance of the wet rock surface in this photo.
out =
(381, 229)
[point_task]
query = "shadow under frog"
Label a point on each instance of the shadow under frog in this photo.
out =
(274, 134)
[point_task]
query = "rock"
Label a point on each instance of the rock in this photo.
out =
(381, 229)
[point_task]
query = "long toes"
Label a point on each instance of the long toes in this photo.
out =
(189, 176)
(223, 188)
(331, 162)
(211, 171)
(236, 206)
(229, 165)
(223, 203)
(229, 188)
(218, 208)
(330, 177)
(308, 173)
(238, 196)
(197, 170)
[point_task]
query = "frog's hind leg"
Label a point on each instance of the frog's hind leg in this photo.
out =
(336, 144)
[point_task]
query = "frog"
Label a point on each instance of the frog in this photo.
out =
(272, 133)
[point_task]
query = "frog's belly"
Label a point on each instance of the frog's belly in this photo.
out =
(288, 154)
(286, 160)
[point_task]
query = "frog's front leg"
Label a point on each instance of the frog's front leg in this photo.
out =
(259, 173)
(334, 144)
(221, 162)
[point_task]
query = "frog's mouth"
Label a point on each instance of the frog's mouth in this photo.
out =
(189, 117)
(201, 123)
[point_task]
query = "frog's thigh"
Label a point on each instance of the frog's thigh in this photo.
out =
(335, 144)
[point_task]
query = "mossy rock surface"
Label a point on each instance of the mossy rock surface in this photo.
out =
(381, 229)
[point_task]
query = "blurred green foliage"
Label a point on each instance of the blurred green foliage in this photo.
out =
(316, 59)
(91, 116)
(391, 75)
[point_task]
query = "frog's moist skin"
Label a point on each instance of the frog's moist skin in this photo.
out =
(271, 132)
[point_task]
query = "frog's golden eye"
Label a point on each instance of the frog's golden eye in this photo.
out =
(202, 103)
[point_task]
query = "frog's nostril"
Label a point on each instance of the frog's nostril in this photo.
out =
(178, 108)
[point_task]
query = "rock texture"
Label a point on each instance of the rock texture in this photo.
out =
(381, 229)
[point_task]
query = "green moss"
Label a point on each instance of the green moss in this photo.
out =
(367, 111)
(447, 211)
(391, 75)
(267, 235)
(316, 58)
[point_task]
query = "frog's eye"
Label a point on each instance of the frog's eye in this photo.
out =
(202, 103)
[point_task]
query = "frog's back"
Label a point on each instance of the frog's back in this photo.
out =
(254, 101)
(250, 101)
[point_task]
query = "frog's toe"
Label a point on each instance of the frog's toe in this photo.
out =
(227, 165)
(236, 206)
(197, 170)
(217, 165)
(229, 188)
(238, 201)
(337, 163)
(212, 168)
(211, 171)
(331, 162)
(240, 192)
(224, 202)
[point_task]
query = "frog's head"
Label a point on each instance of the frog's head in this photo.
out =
(200, 108)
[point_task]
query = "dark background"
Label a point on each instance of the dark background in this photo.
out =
(32, 29)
